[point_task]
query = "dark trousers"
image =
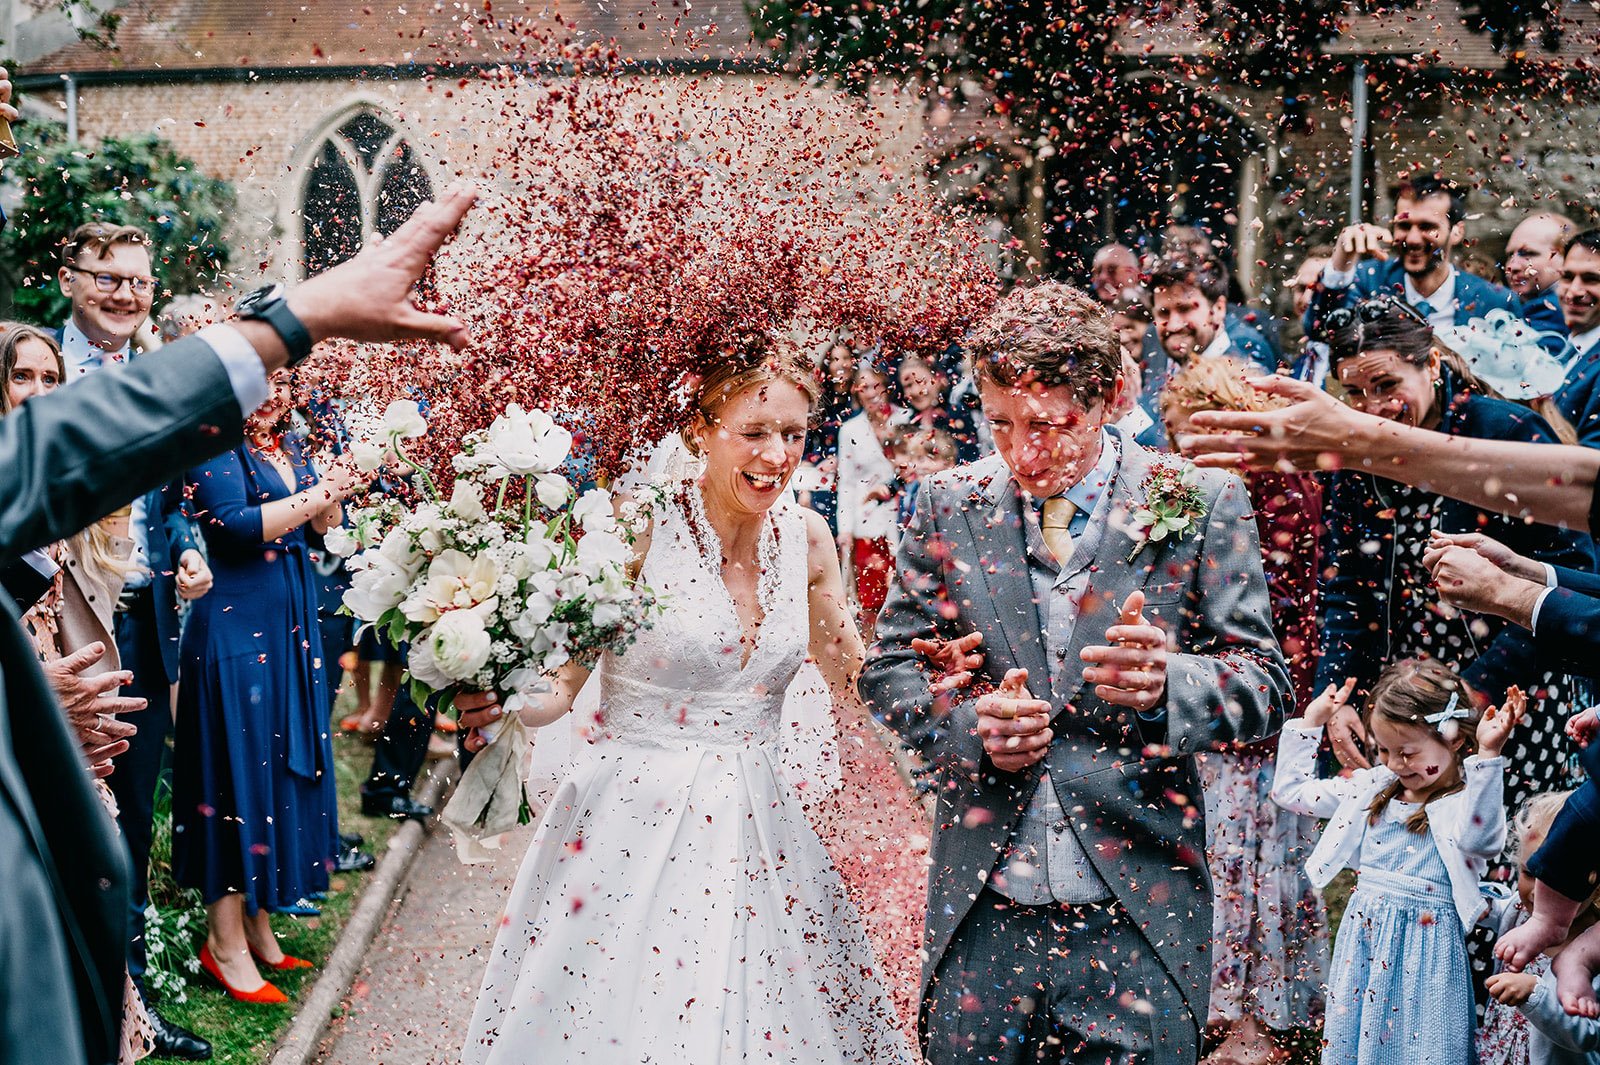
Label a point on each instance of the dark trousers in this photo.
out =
(139, 768)
(1042, 985)
(401, 750)
(1567, 859)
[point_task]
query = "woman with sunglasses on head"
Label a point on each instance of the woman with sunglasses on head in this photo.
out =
(1379, 601)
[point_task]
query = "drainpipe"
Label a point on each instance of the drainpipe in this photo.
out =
(1358, 138)
(71, 83)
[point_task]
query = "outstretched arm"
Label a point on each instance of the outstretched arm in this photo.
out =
(1549, 483)
(836, 645)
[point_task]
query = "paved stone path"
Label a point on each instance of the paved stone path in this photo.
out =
(412, 1000)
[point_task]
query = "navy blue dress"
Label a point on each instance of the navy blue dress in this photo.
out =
(253, 782)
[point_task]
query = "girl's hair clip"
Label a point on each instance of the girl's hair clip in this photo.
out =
(1451, 710)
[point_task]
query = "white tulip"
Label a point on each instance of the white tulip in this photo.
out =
(398, 548)
(466, 501)
(525, 443)
(403, 419)
(553, 490)
(340, 541)
(367, 457)
(594, 510)
(601, 548)
(376, 587)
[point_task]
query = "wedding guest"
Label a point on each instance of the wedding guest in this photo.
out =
(866, 512)
(1524, 1023)
(1420, 830)
(1269, 931)
(76, 613)
(1379, 604)
(1130, 317)
(1578, 290)
(1534, 254)
(1411, 260)
(255, 825)
(1115, 269)
(64, 463)
(106, 273)
(835, 405)
(925, 387)
(916, 453)
(1312, 362)
(1253, 333)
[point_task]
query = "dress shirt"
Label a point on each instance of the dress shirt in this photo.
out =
(82, 355)
(1579, 344)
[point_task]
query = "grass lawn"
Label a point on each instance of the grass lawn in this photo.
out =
(244, 1034)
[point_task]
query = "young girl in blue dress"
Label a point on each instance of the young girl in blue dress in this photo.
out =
(1420, 827)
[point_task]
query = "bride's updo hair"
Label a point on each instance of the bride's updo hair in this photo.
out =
(747, 360)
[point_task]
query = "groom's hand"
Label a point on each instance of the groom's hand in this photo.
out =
(952, 660)
(1130, 669)
(1014, 726)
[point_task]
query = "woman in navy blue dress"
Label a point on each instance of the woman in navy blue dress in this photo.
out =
(255, 827)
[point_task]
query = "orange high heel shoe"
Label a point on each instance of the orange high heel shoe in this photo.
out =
(286, 963)
(265, 995)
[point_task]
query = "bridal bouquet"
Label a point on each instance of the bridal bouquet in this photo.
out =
(492, 595)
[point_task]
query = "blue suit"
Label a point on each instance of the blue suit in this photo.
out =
(1543, 313)
(1475, 297)
(1578, 398)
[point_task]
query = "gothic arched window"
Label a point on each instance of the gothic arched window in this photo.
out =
(363, 180)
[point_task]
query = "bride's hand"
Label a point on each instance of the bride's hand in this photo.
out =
(477, 710)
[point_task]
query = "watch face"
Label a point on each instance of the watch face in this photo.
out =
(252, 301)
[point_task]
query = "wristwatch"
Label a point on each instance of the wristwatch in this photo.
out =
(270, 304)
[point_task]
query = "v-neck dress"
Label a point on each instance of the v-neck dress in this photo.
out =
(253, 785)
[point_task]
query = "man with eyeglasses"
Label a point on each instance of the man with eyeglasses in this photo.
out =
(105, 271)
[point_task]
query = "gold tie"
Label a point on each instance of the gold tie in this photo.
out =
(1055, 521)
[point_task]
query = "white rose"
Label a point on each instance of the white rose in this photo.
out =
(376, 587)
(454, 581)
(340, 541)
(466, 501)
(552, 490)
(403, 419)
(594, 509)
(523, 443)
(459, 644)
(367, 457)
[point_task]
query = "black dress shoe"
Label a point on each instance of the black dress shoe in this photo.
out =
(398, 807)
(351, 860)
(350, 842)
(172, 1041)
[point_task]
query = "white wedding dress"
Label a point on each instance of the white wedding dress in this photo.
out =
(676, 905)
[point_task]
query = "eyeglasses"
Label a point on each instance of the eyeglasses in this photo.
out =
(1374, 309)
(106, 282)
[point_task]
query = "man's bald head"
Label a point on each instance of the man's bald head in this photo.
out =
(1114, 272)
(1534, 252)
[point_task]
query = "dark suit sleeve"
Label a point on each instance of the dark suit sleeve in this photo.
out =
(1569, 631)
(1580, 581)
(69, 458)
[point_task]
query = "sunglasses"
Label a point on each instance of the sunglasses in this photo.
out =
(1368, 311)
(104, 282)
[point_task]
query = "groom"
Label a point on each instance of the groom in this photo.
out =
(1069, 909)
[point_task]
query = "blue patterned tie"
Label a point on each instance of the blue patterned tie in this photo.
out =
(1425, 309)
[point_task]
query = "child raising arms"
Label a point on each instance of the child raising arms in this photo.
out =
(1420, 828)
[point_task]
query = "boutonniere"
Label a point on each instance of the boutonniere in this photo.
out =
(1172, 505)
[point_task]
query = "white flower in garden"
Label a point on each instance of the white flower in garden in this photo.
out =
(340, 541)
(458, 644)
(466, 501)
(454, 581)
(524, 443)
(367, 457)
(403, 419)
(594, 510)
(552, 489)
(377, 586)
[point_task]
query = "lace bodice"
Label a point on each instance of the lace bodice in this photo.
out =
(682, 682)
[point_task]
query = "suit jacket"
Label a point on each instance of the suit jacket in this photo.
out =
(963, 567)
(66, 460)
(1543, 313)
(168, 532)
(1578, 398)
(1475, 297)
(1569, 622)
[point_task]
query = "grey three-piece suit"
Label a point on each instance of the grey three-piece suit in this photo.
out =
(1122, 971)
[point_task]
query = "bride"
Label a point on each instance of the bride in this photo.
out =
(676, 904)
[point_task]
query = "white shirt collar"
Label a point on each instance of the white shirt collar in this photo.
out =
(1582, 342)
(1219, 344)
(82, 355)
(1442, 302)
